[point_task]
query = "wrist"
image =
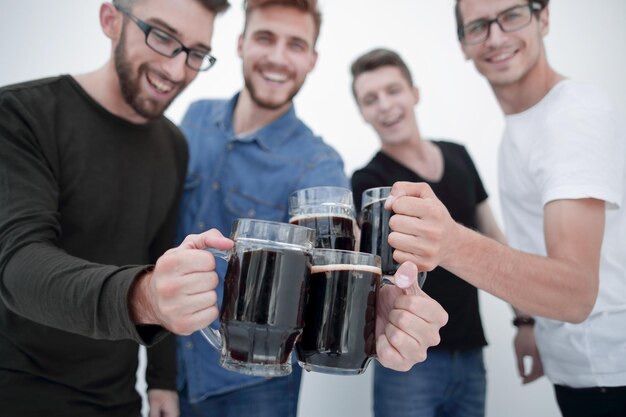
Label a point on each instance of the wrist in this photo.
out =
(520, 321)
(139, 305)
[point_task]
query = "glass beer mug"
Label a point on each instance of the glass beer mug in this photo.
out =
(264, 295)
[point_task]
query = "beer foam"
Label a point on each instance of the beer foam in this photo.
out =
(316, 269)
(308, 216)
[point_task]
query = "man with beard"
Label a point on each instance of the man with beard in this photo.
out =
(247, 155)
(91, 178)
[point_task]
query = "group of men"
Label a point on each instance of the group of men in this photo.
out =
(97, 187)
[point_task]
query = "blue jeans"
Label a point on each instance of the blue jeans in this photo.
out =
(447, 384)
(276, 397)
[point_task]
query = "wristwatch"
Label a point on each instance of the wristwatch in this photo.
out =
(523, 321)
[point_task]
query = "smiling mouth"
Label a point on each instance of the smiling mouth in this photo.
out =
(275, 77)
(391, 120)
(161, 87)
(501, 57)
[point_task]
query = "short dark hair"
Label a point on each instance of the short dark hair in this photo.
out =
(215, 6)
(459, 18)
(376, 58)
(306, 6)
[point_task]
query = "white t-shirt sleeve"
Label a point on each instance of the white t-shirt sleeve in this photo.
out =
(583, 155)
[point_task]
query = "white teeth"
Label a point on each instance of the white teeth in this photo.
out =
(274, 76)
(160, 87)
(502, 57)
(391, 120)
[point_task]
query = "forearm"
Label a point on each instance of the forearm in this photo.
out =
(48, 286)
(552, 288)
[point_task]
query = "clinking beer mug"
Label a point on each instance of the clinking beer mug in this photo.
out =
(264, 294)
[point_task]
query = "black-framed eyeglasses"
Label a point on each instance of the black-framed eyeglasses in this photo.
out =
(167, 45)
(510, 20)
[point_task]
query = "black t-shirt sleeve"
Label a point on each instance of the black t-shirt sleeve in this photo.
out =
(479, 188)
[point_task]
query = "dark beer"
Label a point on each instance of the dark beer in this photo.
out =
(340, 319)
(374, 234)
(333, 231)
(264, 294)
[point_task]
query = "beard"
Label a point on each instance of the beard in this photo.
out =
(267, 104)
(130, 84)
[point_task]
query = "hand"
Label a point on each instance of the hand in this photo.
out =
(163, 403)
(525, 345)
(407, 321)
(180, 293)
(421, 226)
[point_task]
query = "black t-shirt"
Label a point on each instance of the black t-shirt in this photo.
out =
(461, 190)
(82, 192)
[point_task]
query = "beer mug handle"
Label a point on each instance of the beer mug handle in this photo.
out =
(210, 334)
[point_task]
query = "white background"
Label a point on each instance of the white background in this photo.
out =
(587, 41)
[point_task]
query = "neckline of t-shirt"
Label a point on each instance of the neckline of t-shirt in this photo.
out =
(103, 111)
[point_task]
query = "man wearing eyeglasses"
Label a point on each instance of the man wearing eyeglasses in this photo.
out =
(91, 175)
(562, 185)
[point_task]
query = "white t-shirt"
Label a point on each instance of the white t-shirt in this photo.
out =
(572, 145)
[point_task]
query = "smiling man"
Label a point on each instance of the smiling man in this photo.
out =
(562, 179)
(91, 176)
(247, 155)
(387, 98)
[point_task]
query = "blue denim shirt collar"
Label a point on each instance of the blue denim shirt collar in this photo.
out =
(271, 136)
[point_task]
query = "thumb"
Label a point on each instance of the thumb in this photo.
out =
(406, 278)
(211, 238)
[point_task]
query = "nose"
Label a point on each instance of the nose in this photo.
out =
(278, 53)
(496, 35)
(384, 102)
(175, 68)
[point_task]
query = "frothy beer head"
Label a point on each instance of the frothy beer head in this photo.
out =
(317, 269)
(301, 217)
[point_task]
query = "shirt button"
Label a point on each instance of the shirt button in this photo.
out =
(230, 146)
(216, 185)
(201, 226)
(189, 345)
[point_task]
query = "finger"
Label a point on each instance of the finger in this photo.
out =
(424, 307)
(189, 323)
(410, 349)
(520, 367)
(199, 282)
(182, 262)
(410, 324)
(389, 357)
(406, 278)
(402, 188)
(211, 238)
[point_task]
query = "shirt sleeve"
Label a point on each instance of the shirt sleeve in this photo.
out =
(161, 364)
(582, 156)
(39, 280)
(479, 188)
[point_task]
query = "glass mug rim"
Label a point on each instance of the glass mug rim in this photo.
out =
(374, 260)
(309, 193)
(304, 236)
(367, 196)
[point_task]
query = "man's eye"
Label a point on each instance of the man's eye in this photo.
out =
(161, 37)
(476, 27)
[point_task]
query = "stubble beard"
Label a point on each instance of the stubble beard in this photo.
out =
(130, 85)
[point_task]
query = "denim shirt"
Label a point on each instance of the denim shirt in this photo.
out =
(230, 177)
